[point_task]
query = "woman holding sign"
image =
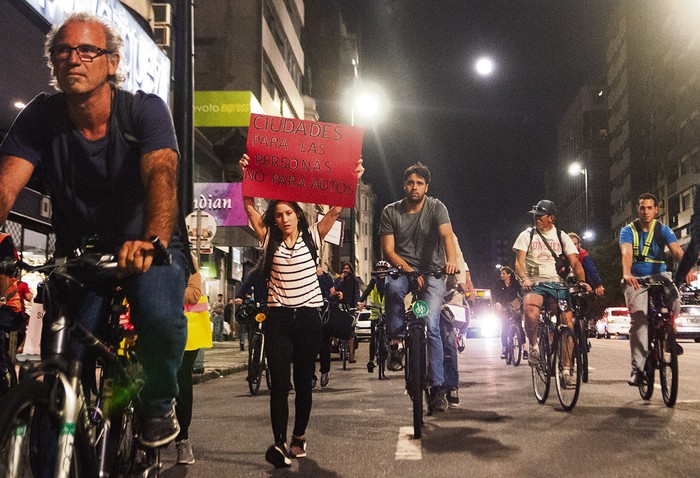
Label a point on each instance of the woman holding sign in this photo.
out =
(293, 326)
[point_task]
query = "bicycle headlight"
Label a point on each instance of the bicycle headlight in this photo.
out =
(260, 317)
(420, 309)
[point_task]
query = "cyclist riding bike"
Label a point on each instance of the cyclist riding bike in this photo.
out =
(416, 234)
(375, 293)
(642, 244)
(544, 255)
(110, 161)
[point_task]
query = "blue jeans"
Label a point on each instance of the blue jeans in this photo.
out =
(433, 294)
(449, 349)
(155, 300)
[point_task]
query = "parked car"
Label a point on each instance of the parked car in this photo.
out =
(363, 326)
(615, 321)
(688, 323)
(484, 321)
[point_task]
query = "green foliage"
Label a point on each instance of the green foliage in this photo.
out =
(606, 255)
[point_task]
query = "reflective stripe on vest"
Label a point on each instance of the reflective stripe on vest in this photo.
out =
(647, 244)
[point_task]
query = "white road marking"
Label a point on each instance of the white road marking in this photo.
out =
(407, 447)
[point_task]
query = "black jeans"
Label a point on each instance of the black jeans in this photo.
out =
(183, 406)
(293, 336)
(324, 355)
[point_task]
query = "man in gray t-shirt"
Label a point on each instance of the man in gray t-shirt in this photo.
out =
(417, 235)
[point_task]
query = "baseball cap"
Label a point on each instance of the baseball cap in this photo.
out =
(543, 208)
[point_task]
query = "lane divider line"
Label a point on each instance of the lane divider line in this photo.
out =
(407, 447)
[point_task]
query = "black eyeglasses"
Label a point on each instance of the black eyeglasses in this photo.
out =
(86, 53)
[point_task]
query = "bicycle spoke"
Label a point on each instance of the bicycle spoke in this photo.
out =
(567, 371)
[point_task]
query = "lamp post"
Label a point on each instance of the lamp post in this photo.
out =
(574, 170)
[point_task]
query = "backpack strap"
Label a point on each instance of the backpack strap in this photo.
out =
(126, 106)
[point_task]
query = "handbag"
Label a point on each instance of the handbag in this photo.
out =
(340, 322)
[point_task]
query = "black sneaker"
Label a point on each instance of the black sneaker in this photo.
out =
(524, 354)
(278, 456)
(297, 447)
(159, 431)
(395, 360)
(453, 398)
(679, 349)
(438, 401)
(370, 367)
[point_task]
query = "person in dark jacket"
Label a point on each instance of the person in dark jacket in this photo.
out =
(592, 276)
(506, 294)
(348, 290)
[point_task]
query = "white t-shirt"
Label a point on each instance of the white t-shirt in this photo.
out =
(539, 262)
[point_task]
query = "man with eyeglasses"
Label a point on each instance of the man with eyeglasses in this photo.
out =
(102, 184)
(536, 252)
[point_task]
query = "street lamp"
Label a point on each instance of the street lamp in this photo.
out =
(574, 170)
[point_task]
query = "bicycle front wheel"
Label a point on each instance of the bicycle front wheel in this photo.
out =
(541, 371)
(567, 370)
(255, 363)
(517, 346)
(382, 352)
(8, 378)
(646, 387)
(582, 348)
(31, 425)
(414, 381)
(668, 367)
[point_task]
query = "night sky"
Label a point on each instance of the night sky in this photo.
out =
(487, 141)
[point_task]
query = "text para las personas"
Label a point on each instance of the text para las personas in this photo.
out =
(265, 160)
(278, 124)
(281, 143)
(297, 182)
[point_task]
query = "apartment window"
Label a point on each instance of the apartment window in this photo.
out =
(686, 201)
(366, 255)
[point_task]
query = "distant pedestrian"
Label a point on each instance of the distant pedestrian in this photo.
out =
(228, 314)
(198, 337)
(217, 318)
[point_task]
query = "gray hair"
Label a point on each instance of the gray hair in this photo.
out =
(115, 43)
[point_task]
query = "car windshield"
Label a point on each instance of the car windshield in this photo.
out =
(691, 310)
(619, 313)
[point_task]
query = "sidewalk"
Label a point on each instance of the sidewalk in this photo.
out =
(223, 359)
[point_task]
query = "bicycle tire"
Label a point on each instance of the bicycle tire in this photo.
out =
(646, 387)
(344, 352)
(668, 365)
(381, 353)
(565, 345)
(509, 350)
(268, 380)
(517, 346)
(255, 357)
(582, 347)
(414, 380)
(8, 378)
(541, 372)
(29, 425)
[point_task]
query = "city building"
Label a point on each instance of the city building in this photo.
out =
(583, 195)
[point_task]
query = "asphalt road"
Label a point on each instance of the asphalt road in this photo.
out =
(361, 427)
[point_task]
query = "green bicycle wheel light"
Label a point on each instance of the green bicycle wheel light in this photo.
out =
(420, 309)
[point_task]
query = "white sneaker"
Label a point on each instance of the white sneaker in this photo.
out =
(569, 380)
(533, 358)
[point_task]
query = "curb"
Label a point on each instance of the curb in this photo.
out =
(217, 373)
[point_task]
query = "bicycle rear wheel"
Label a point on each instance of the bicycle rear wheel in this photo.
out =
(8, 378)
(566, 376)
(414, 380)
(255, 363)
(581, 334)
(668, 366)
(541, 372)
(31, 426)
(344, 349)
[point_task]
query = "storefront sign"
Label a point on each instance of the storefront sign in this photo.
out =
(147, 67)
(299, 160)
(223, 201)
(224, 108)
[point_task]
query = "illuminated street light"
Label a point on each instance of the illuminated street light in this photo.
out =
(484, 66)
(19, 105)
(588, 235)
(574, 170)
(498, 266)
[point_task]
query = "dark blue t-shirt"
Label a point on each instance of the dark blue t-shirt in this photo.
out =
(95, 186)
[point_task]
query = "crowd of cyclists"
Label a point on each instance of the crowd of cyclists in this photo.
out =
(139, 217)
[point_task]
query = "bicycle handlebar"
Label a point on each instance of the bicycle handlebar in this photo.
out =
(395, 272)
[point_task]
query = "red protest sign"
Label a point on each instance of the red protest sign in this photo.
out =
(300, 160)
